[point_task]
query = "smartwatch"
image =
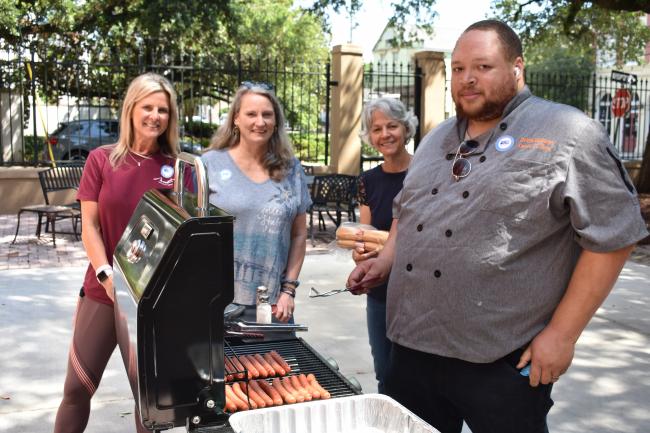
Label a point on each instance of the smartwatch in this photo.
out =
(103, 272)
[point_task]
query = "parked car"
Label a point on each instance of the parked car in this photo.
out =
(191, 147)
(75, 139)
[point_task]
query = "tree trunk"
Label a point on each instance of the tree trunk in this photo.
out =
(643, 181)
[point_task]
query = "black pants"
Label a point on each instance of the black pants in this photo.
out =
(491, 398)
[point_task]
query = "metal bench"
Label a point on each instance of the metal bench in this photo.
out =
(53, 179)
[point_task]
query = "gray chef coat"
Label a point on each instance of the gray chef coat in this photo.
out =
(481, 264)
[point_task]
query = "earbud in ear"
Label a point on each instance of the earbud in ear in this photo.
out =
(517, 72)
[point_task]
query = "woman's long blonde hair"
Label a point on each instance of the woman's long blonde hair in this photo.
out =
(141, 87)
(279, 155)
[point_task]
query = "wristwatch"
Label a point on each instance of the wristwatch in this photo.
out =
(103, 272)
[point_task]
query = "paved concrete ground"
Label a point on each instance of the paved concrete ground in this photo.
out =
(607, 389)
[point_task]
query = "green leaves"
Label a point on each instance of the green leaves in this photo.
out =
(603, 31)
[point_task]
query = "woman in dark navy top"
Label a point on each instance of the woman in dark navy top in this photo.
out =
(387, 126)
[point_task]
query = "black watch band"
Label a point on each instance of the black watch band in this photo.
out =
(102, 276)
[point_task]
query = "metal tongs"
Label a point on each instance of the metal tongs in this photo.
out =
(244, 326)
(313, 293)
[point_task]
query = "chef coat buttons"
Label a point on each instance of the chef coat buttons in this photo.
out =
(448, 233)
(503, 126)
(434, 191)
(482, 158)
(437, 273)
(409, 267)
(419, 227)
(465, 194)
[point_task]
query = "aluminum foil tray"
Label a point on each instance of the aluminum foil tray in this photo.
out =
(368, 413)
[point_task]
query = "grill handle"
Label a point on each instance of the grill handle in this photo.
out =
(202, 182)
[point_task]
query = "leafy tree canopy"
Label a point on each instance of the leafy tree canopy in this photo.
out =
(403, 15)
(610, 31)
(118, 29)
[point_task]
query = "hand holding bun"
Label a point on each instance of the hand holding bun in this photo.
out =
(365, 241)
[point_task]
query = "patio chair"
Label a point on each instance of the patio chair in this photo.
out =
(332, 194)
(53, 179)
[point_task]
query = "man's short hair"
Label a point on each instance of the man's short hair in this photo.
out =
(509, 39)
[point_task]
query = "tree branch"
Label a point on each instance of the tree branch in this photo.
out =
(624, 5)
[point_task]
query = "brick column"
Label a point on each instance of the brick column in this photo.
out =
(432, 108)
(345, 117)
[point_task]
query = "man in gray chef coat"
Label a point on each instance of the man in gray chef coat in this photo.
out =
(514, 222)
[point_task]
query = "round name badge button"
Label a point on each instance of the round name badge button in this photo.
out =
(504, 143)
(166, 171)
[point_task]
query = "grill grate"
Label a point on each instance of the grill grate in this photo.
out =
(302, 358)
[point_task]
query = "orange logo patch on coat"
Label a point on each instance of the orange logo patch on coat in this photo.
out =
(542, 144)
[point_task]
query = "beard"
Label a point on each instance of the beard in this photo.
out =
(492, 108)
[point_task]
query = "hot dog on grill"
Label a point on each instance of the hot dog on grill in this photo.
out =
(239, 367)
(295, 382)
(254, 396)
(242, 396)
(270, 371)
(271, 392)
(305, 383)
(230, 369)
(253, 373)
(236, 401)
(324, 394)
(261, 371)
(280, 360)
(286, 382)
(258, 389)
(286, 395)
(274, 365)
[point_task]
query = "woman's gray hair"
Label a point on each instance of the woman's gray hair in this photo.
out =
(280, 155)
(393, 108)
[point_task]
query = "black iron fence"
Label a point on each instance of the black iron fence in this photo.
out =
(621, 108)
(400, 81)
(72, 107)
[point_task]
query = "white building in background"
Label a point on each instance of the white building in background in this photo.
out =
(391, 58)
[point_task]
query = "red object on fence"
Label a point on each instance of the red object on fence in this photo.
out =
(621, 103)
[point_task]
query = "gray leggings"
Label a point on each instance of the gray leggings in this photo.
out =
(93, 342)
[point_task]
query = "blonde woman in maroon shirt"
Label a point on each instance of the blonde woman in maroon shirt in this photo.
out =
(115, 178)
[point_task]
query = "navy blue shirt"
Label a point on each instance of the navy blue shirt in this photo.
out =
(377, 189)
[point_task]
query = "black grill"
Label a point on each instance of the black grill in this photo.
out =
(173, 279)
(302, 359)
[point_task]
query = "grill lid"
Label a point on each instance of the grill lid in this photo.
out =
(173, 278)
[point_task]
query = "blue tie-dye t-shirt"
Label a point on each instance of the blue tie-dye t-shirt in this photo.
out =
(264, 215)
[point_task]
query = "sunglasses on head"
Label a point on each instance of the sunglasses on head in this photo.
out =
(461, 166)
(259, 84)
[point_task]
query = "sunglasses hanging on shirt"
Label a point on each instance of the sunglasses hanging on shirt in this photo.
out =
(461, 166)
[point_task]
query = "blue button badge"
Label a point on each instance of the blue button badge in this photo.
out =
(504, 143)
(167, 171)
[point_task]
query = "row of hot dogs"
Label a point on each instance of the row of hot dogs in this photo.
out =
(255, 394)
(255, 366)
